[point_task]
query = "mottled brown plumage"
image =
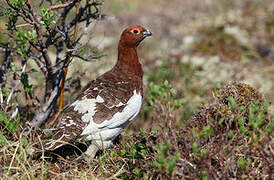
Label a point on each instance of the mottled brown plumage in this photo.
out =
(107, 104)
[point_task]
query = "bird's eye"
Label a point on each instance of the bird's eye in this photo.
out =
(135, 31)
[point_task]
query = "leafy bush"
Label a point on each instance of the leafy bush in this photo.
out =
(238, 121)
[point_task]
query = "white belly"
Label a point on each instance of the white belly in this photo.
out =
(109, 129)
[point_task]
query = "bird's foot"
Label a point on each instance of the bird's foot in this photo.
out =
(83, 158)
(88, 155)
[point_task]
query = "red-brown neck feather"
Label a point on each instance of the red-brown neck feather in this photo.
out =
(128, 60)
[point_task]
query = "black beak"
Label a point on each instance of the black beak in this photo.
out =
(146, 33)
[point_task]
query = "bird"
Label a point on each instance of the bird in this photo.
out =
(107, 104)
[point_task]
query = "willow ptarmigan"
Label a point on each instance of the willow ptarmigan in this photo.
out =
(107, 104)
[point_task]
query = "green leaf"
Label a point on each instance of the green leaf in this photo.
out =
(10, 125)
(172, 161)
(206, 132)
(270, 127)
(24, 142)
(203, 153)
(218, 85)
(231, 102)
(32, 34)
(13, 67)
(241, 162)
(47, 17)
(3, 140)
(241, 109)
(230, 134)
(195, 148)
(142, 132)
(25, 82)
(137, 173)
(220, 122)
(5, 93)
(204, 175)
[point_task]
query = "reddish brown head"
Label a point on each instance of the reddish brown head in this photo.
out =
(132, 36)
(127, 54)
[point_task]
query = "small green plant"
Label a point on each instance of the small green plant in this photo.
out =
(203, 153)
(5, 93)
(136, 151)
(3, 140)
(22, 43)
(242, 126)
(231, 134)
(207, 131)
(231, 103)
(204, 175)
(25, 82)
(257, 114)
(195, 148)
(163, 160)
(139, 150)
(162, 97)
(9, 125)
(137, 173)
(47, 17)
(270, 127)
(243, 163)
(157, 91)
(18, 3)
(239, 114)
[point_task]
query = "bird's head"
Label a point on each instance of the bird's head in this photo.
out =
(132, 36)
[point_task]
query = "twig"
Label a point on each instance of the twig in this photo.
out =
(13, 157)
(118, 173)
(40, 64)
(59, 6)
(14, 113)
(89, 57)
(23, 25)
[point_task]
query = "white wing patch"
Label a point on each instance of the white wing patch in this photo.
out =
(71, 123)
(87, 107)
(109, 129)
(120, 104)
(99, 99)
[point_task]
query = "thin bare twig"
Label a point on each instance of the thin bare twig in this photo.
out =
(59, 6)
